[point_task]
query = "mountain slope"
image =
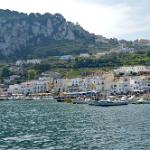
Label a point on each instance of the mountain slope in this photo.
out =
(37, 35)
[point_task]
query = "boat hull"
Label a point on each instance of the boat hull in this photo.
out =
(79, 102)
(108, 103)
(111, 103)
(141, 102)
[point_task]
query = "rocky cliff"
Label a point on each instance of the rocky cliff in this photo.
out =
(21, 34)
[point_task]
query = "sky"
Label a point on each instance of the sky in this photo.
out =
(122, 19)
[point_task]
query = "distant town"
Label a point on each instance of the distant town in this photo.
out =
(78, 73)
(123, 81)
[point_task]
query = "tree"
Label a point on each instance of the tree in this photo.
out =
(5, 72)
(31, 74)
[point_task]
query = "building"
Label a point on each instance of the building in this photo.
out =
(31, 87)
(28, 61)
(142, 42)
(33, 61)
(99, 55)
(67, 57)
(86, 55)
(132, 70)
(124, 85)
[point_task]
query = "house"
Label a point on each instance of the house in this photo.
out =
(121, 85)
(142, 42)
(124, 85)
(31, 87)
(33, 61)
(126, 50)
(131, 70)
(66, 57)
(28, 61)
(49, 76)
(98, 55)
(86, 55)
(20, 62)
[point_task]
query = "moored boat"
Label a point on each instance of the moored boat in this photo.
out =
(108, 103)
(59, 99)
(141, 101)
(93, 102)
(112, 103)
(80, 100)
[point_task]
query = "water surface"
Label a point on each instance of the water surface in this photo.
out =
(58, 126)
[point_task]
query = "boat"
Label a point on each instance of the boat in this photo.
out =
(80, 100)
(141, 101)
(94, 102)
(2, 98)
(131, 98)
(108, 103)
(59, 98)
(75, 97)
(112, 103)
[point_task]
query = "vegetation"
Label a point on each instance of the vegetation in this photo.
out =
(115, 60)
(5, 72)
(31, 74)
(74, 68)
(35, 38)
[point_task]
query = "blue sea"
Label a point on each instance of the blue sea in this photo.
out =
(48, 125)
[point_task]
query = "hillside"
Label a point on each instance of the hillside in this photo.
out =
(41, 35)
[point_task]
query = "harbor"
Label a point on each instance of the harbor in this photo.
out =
(123, 85)
(90, 98)
(74, 75)
(96, 99)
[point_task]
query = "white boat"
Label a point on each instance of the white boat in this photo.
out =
(107, 103)
(142, 101)
(80, 100)
(93, 102)
(123, 98)
(131, 98)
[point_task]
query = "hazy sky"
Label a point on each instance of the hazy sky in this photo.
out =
(127, 19)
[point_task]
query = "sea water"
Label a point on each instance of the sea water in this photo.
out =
(58, 126)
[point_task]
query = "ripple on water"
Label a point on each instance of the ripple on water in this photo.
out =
(56, 126)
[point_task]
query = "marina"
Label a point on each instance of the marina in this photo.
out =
(96, 99)
(93, 98)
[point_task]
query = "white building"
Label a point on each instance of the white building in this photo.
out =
(130, 84)
(28, 61)
(86, 55)
(33, 61)
(132, 69)
(98, 83)
(29, 87)
(66, 57)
